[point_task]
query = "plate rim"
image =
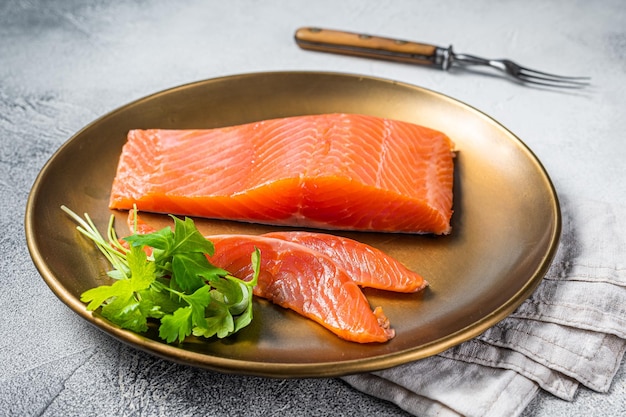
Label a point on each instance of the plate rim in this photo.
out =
(281, 369)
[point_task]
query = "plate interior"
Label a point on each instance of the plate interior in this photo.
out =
(506, 223)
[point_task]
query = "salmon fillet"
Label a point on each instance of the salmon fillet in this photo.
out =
(332, 171)
(299, 278)
(365, 265)
(305, 281)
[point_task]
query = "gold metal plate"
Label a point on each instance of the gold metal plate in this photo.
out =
(506, 223)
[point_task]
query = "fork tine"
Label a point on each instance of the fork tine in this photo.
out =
(552, 83)
(523, 74)
(547, 74)
(553, 80)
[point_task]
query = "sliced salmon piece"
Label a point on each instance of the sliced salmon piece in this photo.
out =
(305, 281)
(366, 265)
(308, 282)
(332, 171)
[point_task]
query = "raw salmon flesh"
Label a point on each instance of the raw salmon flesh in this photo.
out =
(316, 275)
(366, 265)
(306, 281)
(331, 171)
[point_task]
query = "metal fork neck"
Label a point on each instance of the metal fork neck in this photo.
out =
(465, 59)
(445, 58)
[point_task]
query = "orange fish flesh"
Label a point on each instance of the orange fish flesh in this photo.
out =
(331, 171)
(296, 277)
(366, 265)
(305, 281)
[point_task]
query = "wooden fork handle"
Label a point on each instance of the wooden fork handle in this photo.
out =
(369, 46)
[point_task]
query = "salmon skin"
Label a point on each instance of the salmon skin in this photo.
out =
(305, 281)
(330, 171)
(366, 265)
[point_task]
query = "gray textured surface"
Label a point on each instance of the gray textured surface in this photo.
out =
(65, 63)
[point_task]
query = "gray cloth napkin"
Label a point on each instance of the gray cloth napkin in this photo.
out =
(571, 331)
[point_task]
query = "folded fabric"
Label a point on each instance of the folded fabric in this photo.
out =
(571, 331)
(442, 387)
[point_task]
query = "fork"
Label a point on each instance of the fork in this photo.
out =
(369, 46)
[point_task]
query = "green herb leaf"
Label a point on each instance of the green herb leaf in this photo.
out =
(176, 326)
(190, 270)
(160, 303)
(127, 313)
(142, 272)
(162, 239)
(176, 285)
(186, 271)
(121, 303)
(199, 301)
(180, 323)
(230, 290)
(218, 322)
(142, 275)
(188, 239)
(238, 307)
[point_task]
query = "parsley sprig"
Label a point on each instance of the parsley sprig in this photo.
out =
(173, 283)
